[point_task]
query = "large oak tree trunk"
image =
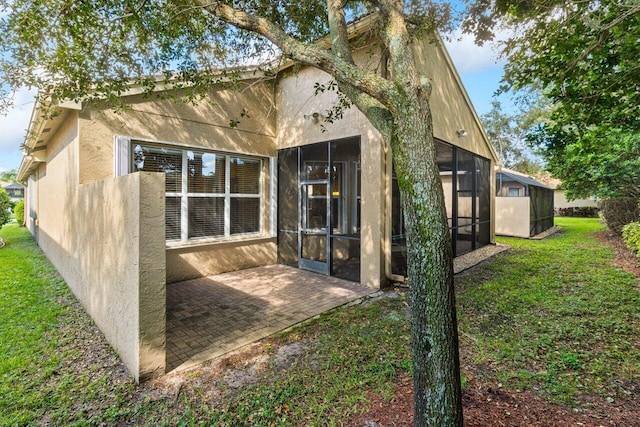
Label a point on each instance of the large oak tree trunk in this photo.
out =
(434, 333)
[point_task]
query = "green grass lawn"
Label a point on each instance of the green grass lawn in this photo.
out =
(553, 316)
(29, 288)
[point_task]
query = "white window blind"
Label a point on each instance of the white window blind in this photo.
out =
(208, 195)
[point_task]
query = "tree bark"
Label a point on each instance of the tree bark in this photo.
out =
(434, 334)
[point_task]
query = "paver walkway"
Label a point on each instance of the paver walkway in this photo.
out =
(211, 316)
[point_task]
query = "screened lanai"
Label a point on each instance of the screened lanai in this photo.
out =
(466, 181)
(524, 206)
(319, 207)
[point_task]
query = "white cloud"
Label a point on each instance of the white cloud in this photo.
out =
(13, 126)
(469, 58)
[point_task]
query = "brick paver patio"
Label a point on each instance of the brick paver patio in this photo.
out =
(211, 316)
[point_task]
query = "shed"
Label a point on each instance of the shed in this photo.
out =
(524, 206)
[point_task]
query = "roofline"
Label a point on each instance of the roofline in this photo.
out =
(355, 29)
(523, 178)
(360, 26)
(467, 99)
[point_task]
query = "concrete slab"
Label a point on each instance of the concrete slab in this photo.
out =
(214, 315)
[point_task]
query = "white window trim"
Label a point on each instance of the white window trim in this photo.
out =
(121, 147)
(122, 166)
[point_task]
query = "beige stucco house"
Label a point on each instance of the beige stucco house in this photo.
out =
(124, 203)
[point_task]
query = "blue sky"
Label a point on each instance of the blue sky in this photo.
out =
(477, 66)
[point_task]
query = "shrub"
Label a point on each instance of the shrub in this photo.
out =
(5, 204)
(619, 212)
(631, 236)
(18, 212)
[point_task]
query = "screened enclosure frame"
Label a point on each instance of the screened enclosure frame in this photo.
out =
(319, 207)
(541, 212)
(467, 199)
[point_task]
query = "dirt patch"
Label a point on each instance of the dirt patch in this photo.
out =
(623, 256)
(488, 405)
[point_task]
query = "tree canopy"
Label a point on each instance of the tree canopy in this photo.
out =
(8, 176)
(582, 54)
(602, 163)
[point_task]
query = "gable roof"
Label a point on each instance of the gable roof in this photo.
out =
(522, 178)
(47, 115)
(14, 186)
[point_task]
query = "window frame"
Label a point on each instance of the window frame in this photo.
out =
(511, 191)
(184, 195)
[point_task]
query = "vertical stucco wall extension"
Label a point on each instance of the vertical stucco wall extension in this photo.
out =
(121, 266)
(99, 238)
(512, 216)
(294, 99)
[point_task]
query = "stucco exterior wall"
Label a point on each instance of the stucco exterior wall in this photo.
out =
(103, 238)
(203, 125)
(189, 262)
(451, 108)
(561, 202)
(513, 216)
(295, 99)
(206, 124)
(450, 105)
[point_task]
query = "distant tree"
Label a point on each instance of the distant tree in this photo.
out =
(507, 133)
(9, 176)
(528, 167)
(603, 163)
(5, 207)
(582, 54)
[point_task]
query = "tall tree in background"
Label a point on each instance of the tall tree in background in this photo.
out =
(9, 176)
(508, 132)
(84, 50)
(584, 57)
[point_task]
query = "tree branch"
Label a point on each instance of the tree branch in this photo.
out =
(397, 41)
(370, 107)
(310, 54)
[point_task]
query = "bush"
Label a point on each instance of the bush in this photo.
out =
(18, 212)
(631, 236)
(619, 212)
(585, 211)
(5, 204)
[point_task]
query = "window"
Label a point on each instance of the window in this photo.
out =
(208, 195)
(514, 192)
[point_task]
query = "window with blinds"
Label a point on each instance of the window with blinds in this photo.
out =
(208, 195)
